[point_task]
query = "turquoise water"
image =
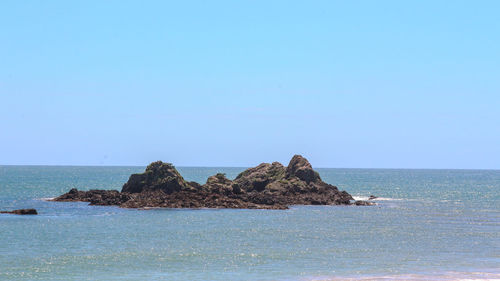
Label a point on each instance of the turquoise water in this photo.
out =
(428, 223)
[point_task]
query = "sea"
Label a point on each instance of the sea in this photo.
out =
(427, 225)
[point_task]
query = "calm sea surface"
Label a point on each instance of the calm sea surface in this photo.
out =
(429, 224)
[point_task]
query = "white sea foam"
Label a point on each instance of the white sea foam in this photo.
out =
(365, 198)
(360, 197)
(45, 198)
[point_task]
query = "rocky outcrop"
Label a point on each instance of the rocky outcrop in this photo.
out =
(267, 186)
(95, 197)
(158, 176)
(21, 212)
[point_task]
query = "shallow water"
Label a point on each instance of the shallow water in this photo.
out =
(428, 224)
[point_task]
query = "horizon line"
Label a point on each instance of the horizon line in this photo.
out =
(243, 167)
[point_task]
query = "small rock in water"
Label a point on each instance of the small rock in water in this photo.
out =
(21, 212)
(372, 197)
(363, 203)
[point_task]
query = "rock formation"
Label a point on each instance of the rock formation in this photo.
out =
(21, 212)
(267, 186)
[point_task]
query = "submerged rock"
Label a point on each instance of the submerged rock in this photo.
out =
(267, 186)
(21, 212)
(363, 203)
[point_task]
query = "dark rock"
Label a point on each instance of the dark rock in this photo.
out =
(372, 197)
(267, 186)
(194, 184)
(158, 176)
(363, 203)
(301, 168)
(95, 197)
(219, 184)
(257, 178)
(21, 212)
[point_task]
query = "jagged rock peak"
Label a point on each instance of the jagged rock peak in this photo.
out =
(158, 176)
(159, 166)
(302, 169)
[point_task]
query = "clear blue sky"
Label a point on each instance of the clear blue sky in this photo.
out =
(397, 84)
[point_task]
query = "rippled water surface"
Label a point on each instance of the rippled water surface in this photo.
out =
(428, 224)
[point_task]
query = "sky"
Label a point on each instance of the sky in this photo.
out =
(347, 84)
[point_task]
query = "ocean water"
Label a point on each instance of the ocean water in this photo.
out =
(428, 224)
